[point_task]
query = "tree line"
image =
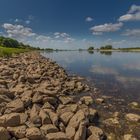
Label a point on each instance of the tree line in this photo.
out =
(12, 43)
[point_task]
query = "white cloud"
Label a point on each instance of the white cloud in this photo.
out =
(18, 31)
(134, 8)
(132, 32)
(43, 38)
(61, 35)
(89, 19)
(97, 33)
(26, 35)
(132, 15)
(107, 27)
(56, 33)
(69, 40)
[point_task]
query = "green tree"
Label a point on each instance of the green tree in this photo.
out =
(91, 48)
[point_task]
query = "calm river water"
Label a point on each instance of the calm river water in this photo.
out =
(115, 74)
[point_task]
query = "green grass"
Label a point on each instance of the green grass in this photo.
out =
(7, 52)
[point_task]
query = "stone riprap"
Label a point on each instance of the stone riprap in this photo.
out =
(38, 101)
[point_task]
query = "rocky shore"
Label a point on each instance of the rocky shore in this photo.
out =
(39, 101)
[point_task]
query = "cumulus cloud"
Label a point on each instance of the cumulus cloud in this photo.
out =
(132, 15)
(43, 38)
(89, 19)
(18, 31)
(132, 32)
(107, 27)
(27, 35)
(61, 35)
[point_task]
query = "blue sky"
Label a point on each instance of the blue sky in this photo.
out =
(71, 23)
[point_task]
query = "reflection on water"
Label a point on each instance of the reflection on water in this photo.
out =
(106, 52)
(107, 70)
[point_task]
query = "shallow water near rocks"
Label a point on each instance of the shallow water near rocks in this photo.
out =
(116, 75)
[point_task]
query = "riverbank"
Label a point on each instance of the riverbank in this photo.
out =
(8, 52)
(39, 100)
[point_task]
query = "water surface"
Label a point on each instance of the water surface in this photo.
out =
(114, 73)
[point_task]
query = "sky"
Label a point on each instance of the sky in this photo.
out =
(71, 24)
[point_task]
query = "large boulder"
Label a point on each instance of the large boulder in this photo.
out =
(129, 137)
(34, 115)
(12, 119)
(44, 117)
(4, 98)
(34, 133)
(18, 132)
(23, 117)
(65, 117)
(15, 106)
(18, 89)
(53, 116)
(70, 132)
(81, 132)
(132, 117)
(67, 108)
(66, 99)
(87, 100)
(47, 105)
(134, 105)
(52, 100)
(6, 92)
(95, 132)
(76, 119)
(71, 84)
(37, 98)
(26, 97)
